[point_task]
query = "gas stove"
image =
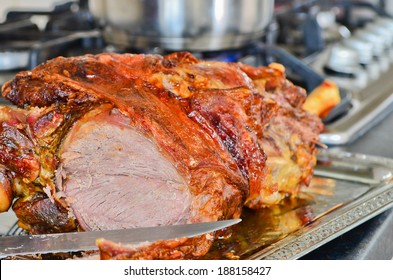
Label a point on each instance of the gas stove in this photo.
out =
(314, 40)
(348, 42)
(30, 37)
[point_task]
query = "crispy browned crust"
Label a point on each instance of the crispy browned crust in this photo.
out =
(228, 128)
(182, 248)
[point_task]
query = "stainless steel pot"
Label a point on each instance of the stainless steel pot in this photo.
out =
(183, 24)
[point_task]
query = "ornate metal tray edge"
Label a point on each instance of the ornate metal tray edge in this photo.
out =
(337, 221)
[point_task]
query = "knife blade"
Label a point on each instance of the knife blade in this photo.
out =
(84, 241)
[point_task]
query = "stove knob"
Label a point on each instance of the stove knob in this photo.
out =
(376, 40)
(363, 48)
(384, 32)
(342, 60)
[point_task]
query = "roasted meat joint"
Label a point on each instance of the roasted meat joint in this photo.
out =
(114, 141)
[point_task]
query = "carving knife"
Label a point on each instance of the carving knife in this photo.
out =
(84, 241)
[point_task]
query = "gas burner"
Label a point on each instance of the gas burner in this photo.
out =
(351, 43)
(31, 37)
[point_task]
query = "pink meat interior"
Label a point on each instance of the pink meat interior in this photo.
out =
(115, 177)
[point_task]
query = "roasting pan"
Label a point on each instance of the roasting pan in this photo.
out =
(347, 190)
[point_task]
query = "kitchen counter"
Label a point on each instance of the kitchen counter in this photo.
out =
(373, 239)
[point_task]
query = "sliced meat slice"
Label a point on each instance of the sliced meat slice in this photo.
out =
(118, 178)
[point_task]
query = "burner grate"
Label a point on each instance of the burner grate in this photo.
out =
(16, 230)
(67, 30)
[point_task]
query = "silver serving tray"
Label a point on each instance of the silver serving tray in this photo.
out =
(346, 191)
(363, 188)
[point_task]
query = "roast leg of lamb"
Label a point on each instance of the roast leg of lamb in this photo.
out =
(114, 141)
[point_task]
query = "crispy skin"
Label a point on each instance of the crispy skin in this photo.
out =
(182, 248)
(28, 143)
(6, 196)
(289, 139)
(237, 134)
(38, 214)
